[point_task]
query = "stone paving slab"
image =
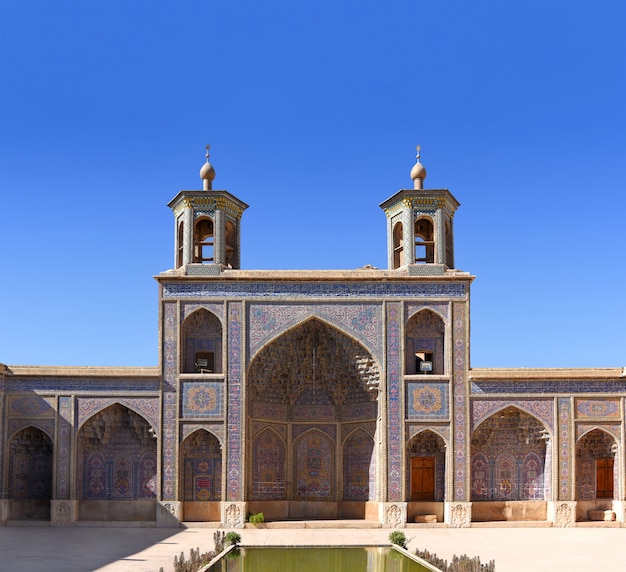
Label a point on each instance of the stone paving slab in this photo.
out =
(77, 549)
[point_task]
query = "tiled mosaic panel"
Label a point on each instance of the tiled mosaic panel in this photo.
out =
(234, 473)
(363, 321)
(46, 425)
(395, 413)
(597, 408)
(202, 467)
(460, 401)
(189, 308)
(565, 428)
(146, 407)
(216, 429)
(359, 468)
(315, 467)
(561, 386)
(113, 384)
(31, 406)
(443, 431)
(509, 457)
(543, 409)
(2, 426)
(295, 290)
(427, 400)
(64, 460)
(30, 465)
(116, 453)
(412, 308)
(268, 467)
(203, 399)
(170, 402)
(614, 429)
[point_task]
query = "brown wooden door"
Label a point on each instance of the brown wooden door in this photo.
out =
(604, 478)
(422, 478)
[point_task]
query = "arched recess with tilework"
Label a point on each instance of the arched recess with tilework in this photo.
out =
(201, 343)
(310, 391)
(201, 476)
(510, 467)
(597, 472)
(425, 344)
(116, 463)
(30, 474)
(426, 474)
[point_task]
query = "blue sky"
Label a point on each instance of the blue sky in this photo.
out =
(313, 110)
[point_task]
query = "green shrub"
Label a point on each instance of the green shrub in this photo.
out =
(398, 538)
(232, 537)
(257, 518)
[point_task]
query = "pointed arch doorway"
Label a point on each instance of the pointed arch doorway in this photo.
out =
(312, 414)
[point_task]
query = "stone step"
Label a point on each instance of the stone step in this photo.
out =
(350, 524)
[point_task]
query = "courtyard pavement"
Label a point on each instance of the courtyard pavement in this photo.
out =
(108, 549)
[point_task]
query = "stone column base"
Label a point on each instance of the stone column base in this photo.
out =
(562, 513)
(458, 514)
(233, 514)
(619, 508)
(63, 512)
(393, 514)
(168, 514)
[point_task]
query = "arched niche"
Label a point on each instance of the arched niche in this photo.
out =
(116, 457)
(203, 240)
(597, 472)
(426, 467)
(509, 460)
(398, 245)
(269, 466)
(202, 343)
(30, 474)
(424, 344)
(314, 467)
(306, 389)
(359, 467)
(201, 467)
(424, 241)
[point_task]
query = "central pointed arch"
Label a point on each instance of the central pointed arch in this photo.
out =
(313, 408)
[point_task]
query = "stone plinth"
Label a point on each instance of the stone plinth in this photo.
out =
(168, 514)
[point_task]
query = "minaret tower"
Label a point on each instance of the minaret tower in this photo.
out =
(207, 227)
(420, 236)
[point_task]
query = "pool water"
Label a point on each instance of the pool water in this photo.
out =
(318, 559)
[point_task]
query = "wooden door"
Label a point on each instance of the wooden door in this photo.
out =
(604, 478)
(422, 478)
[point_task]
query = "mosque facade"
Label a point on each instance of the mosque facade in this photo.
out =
(305, 395)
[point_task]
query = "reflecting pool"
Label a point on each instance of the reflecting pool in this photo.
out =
(318, 559)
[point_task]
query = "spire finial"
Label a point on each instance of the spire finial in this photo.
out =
(418, 172)
(207, 172)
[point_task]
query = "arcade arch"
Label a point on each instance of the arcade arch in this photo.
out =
(116, 456)
(508, 458)
(30, 474)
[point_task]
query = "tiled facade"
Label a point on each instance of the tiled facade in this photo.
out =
(312, 394)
